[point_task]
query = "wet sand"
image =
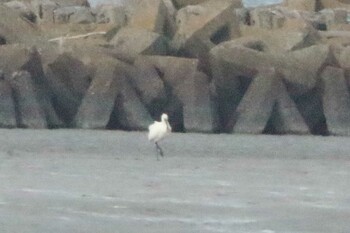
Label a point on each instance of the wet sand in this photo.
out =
(88, 181)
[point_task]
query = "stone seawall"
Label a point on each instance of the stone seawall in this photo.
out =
(212, 65)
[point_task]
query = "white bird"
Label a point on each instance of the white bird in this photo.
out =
(158, 131)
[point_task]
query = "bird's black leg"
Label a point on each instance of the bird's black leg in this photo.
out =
(159, 150)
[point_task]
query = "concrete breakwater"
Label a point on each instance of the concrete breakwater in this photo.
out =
(212, 65)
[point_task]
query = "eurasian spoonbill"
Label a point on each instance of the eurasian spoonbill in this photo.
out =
(159, 130)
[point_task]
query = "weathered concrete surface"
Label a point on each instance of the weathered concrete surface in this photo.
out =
(146, 80)
(176, 74)
(7, 105)
(29, 112)
(130, 112)
(69, 79)
(300, 68)
(149, 15)
(281, 40)
(98, 102)
(15, 29)
(301, 5)
(183, 3)
(323, 4)
(267, 101)
(336, 101)
(97, 181)
(128, 43)
(201, 27)
(200, 109)
(19, 57)
(256, 106)
(286, 118)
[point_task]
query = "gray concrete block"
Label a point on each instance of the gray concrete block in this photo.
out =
(23, 8)
(253, 112)
(112, 14)
(149, 15)
(310, 107)
(44, 9)
(68, 78)
(169, 29)
(82, 15)
(128, 43)
(20, 57)
(190, 106)
(99, 100)
(300, 68)
(29, 112)
(286, 118)
(183, 3)
(201, 27)
(146, 80)
(336, 101)
(266, 18)
(267, 107)
(131, 113)
(200, 109)
(15, 29)
(7, 105)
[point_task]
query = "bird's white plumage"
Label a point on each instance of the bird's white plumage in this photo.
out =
(159, 130)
